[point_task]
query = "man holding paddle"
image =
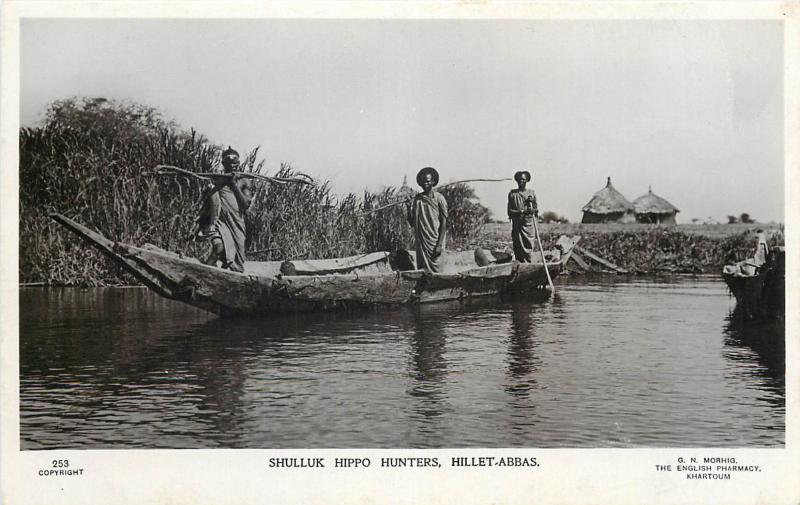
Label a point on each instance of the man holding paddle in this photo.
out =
(522, 210)
(427, 213)
(222, 213)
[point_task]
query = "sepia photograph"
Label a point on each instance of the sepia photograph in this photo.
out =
(449, 242)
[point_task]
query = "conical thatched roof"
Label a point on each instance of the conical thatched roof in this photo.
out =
(608, 200)
(653, 204)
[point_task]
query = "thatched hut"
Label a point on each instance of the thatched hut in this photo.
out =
(608, 206)
(651, 208)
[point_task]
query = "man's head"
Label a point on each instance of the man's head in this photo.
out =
(427, 178)
(230, 160)
(522, 177)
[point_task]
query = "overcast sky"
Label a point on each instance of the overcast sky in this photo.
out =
(692, 108)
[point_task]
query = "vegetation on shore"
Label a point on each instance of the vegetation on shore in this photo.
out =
(89, 160)
(652, 248)
(90, 157)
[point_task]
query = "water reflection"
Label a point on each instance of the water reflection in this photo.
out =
(764, 340)
(215, 355)
(599, 364)
(241, 361)
(522, 359)
(105, 362)
(427, 368)
(428, 346)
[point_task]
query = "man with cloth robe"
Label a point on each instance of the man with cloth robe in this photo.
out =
(427, 213)
(222, 215)
(522, 210)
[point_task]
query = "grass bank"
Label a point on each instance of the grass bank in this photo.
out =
(644, 248)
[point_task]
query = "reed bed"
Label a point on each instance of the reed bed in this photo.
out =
(89, 160)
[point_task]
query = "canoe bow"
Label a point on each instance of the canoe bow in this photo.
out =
(118, 253)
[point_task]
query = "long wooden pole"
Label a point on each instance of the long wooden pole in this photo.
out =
(398, 202)
(172, 170)
(541, 250)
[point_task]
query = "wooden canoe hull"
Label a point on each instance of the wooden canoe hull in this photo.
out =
(761, 296)
(230, 293)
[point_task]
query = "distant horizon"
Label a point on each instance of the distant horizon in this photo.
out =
(693, 109)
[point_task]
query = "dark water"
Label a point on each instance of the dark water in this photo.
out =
(606, 363)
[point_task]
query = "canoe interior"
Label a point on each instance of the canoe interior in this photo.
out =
(381, 263)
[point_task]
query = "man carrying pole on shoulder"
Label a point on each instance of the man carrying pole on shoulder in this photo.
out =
(222, 214)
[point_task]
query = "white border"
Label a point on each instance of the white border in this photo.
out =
(241, 476)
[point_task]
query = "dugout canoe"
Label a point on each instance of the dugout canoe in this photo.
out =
(375, 279)
(759, 283)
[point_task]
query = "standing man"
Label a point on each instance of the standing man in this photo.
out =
(222, 214)
(427, 213)
(522, 210)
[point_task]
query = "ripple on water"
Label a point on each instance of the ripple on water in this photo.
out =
(605, 363)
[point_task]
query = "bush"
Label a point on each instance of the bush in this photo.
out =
(466, 217)
(551, 217)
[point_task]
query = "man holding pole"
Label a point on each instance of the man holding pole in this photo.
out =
(427, 213)
(222, 214)
(522, 210)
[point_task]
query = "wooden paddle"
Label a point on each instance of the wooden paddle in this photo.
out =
(541, 250)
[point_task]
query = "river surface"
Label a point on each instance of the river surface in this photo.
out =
(608, 362)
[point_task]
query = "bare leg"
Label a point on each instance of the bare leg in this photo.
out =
(217, 252)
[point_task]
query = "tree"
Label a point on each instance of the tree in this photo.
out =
(733, 219)
(745, 218)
